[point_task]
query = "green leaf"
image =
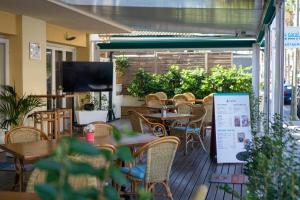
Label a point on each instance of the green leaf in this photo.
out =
(117, 176)
(101, 173)
(143, 195)
(106, 153)
(124, 153)
(46, 192)
(117, 135)
(78, 167)
(87, 193)
(48, 164)
(84, 148)
(111, 193)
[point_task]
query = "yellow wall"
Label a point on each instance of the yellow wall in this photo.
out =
(15, 57)
(34, 71)
(57, 34)
(83, 53)
(8, 23)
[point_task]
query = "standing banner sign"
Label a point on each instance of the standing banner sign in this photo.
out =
(232, 125)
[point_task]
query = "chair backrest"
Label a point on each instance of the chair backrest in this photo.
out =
(190, 96)
(160, 155)
(102, 128)
(79, 181)
(184, 108)
(200, 112)
(135, 121)
(179, 98)
(161, 95)
(153, 101)
(208, 104)
(24, 134)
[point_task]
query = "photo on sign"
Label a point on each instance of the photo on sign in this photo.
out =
(241, 137)
(245, 121)
(237, 121)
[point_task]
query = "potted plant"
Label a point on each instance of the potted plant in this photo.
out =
(14, 108)
(122, 64)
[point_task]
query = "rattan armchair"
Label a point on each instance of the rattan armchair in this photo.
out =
(159, 158)
(191, 128)
(102, 128)
(161, 95)
(142, 125)
(24, 134)
(190, 96)
(208, 104)
(180, 98)
(153, 101)
(79, 181)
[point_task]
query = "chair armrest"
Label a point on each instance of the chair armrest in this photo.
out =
(155, 127)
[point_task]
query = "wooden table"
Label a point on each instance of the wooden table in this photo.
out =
(18, 196)
(169, 116)
(31, 151)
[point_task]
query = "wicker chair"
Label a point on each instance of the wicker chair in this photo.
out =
(192, 128)
(190, 96)
(161, 95)
(142, 125)
(102, 128)
(23, 134)
(208, 104)
(159, 158)
(180, 98)
(153, 101)
(79, 181)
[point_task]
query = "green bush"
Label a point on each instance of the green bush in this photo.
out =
(197, 81)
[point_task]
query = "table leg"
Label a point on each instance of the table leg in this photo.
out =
(21, 174)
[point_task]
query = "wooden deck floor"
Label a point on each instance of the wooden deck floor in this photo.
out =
(187, 174)
(194, 169)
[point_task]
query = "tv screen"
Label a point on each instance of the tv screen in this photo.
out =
(87, 76)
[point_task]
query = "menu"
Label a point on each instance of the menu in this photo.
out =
(232, 125)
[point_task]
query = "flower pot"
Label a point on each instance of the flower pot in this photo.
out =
(90, 137)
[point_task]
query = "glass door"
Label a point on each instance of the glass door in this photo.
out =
(56, 54)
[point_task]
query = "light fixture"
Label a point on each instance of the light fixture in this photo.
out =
(69, 37)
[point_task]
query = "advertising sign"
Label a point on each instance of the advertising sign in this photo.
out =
(291, 37)
(232, 125)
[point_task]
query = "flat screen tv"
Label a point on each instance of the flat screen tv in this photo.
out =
(87, 76)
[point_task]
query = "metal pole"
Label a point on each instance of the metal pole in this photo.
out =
(267, 75)
(255, 69)
(293, 114)
(279, 65)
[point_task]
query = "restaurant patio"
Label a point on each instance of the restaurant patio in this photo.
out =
(142, 100)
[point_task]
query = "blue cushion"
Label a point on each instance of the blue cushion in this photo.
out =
(137, 171)
(182, 128)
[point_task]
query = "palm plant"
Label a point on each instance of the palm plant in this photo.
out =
(15, 108)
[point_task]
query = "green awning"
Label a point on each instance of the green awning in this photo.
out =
(177, 44)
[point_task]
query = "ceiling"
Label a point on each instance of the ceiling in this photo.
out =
(64, 15)
(182, 16)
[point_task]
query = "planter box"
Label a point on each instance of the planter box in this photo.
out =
(86, 117)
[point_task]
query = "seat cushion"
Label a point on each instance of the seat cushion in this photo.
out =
(182, 128)
(137, 171)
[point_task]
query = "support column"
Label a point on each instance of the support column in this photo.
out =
(279, 60)
(267, 74)
(255, 69)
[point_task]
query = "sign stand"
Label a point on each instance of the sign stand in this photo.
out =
(231, 127)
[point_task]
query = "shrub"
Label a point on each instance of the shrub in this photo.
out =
(197, 81)
(143, 83)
